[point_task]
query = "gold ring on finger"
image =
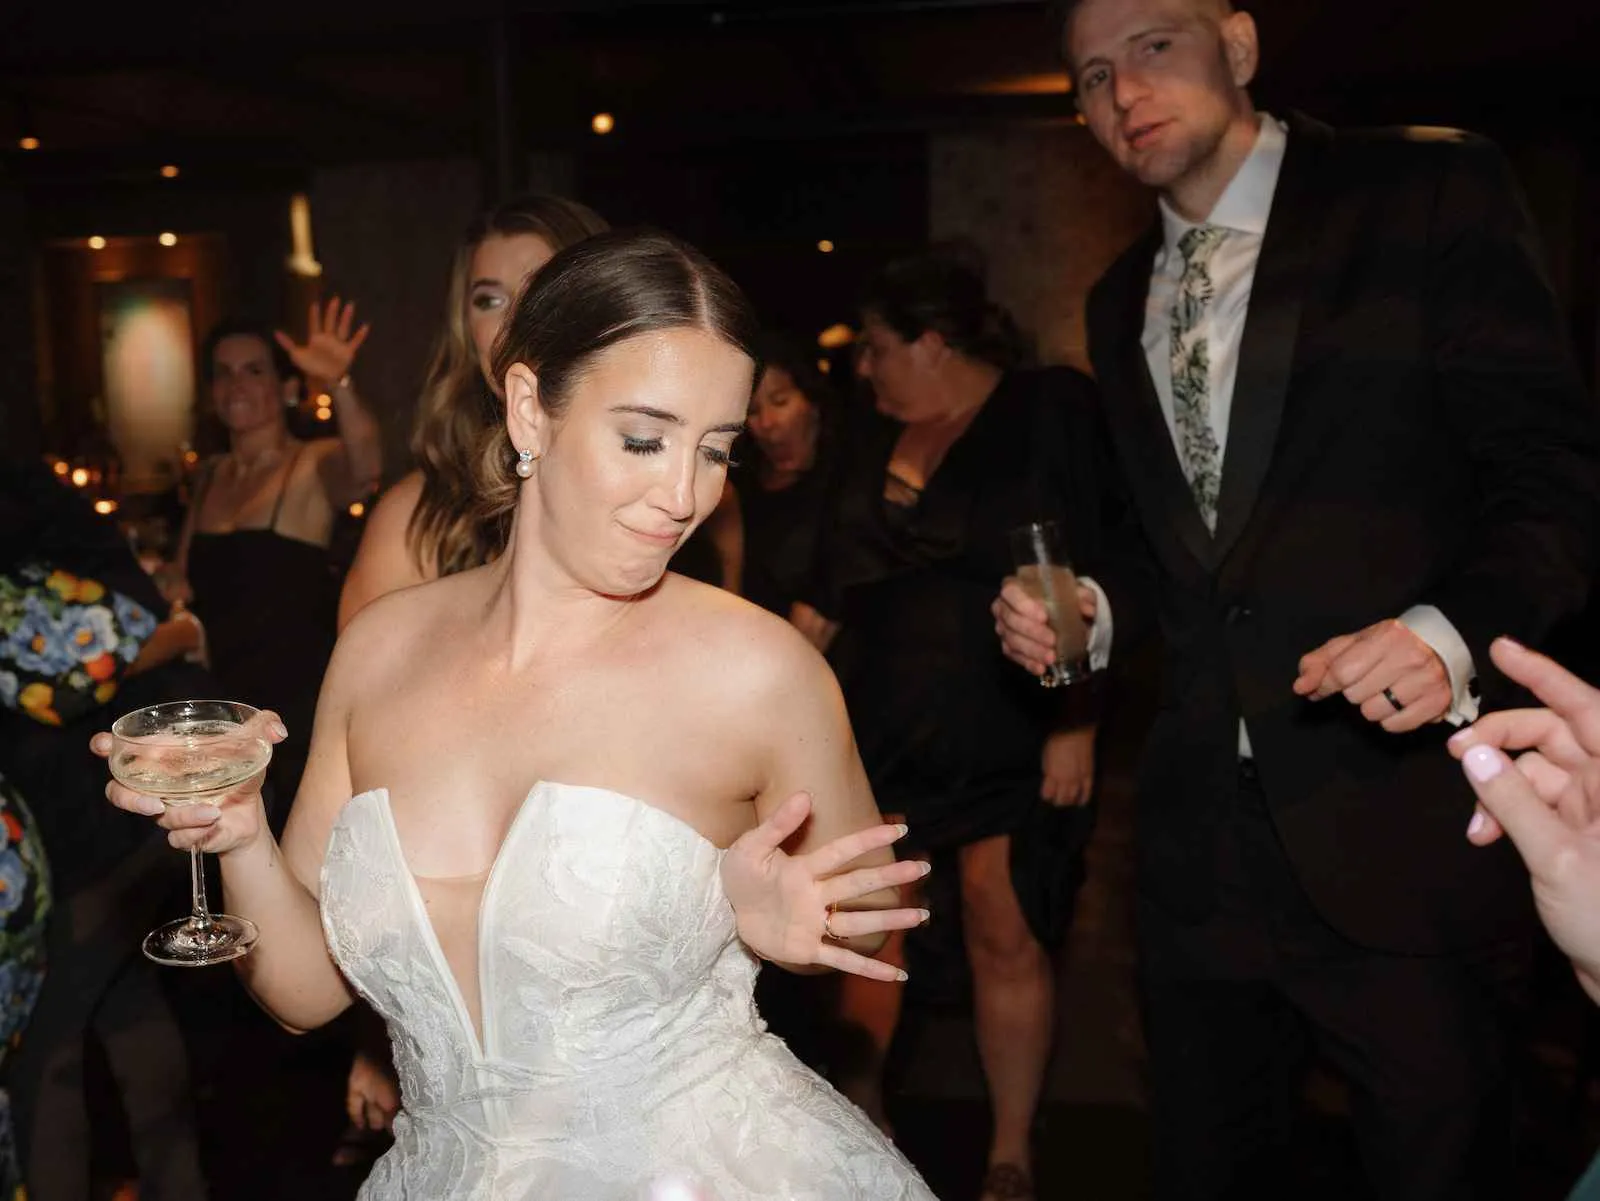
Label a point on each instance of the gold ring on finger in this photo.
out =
(827, 923)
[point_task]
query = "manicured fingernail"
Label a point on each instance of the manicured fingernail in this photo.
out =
(901, 976)
(923, 915)
(1475, 826)
(1482, 763)
(1510, 641)
(208, 813)
(903, 830)
(279, 729)
(1462, 736)
(926, 868)
(150, 807)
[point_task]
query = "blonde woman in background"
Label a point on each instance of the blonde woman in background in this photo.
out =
(421, 530)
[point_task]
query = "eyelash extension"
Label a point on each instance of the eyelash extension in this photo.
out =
(650, 446)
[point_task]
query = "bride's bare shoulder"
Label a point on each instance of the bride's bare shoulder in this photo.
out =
(399, 623)
(743, 643)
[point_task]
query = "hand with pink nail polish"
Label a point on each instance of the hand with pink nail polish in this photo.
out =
(1549, 805)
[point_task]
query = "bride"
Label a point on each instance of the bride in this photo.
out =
(547, 826)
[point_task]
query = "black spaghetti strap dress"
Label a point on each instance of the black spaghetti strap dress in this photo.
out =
(270, 605)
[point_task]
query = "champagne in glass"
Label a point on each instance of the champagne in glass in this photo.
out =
(1045, 573)
(183, 753)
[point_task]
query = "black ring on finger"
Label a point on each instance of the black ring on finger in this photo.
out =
(1388, 695)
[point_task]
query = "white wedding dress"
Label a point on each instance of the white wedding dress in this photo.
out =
(621, 1058)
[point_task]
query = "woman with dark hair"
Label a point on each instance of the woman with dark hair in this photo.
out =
(566, 966)
(254, 546)
(988, 770)
(780, 488)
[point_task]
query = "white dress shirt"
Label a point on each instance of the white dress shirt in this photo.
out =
(1242, 210)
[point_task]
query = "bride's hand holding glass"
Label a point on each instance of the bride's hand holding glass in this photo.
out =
(187, 760)
(219, 824)
(794, 909)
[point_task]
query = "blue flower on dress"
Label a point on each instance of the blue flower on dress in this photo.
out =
(13, 885)
(37, 644)
(8, 689)
(134, 619)
(89, 630)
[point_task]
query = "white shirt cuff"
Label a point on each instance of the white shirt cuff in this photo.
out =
(1100, 631)
(1434, 628)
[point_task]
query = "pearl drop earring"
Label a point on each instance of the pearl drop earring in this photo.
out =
(524, 467)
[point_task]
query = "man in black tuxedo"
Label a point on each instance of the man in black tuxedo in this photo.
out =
(1337, 387)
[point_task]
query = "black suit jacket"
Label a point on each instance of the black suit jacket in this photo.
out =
(1407, 427)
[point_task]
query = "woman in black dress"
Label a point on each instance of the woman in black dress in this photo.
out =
(254, 549)
(780, 481)
(986, 767)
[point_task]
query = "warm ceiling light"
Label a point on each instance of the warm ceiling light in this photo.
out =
(97, 243)
(105, 507)
(62, 467)
(836, 336)
(603, 123)
(1046, 83)
(28, 143)
(824, 366)
(358, 509)
(302, 261)
(324, 413)
(168, 239)
(80, 476)
(825, 246)
(169, 172)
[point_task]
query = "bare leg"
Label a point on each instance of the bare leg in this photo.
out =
(1013, 996)
(872, 1006)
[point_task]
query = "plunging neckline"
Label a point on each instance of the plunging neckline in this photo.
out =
(479, 1041)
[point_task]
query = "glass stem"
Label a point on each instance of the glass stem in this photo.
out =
(197, 887)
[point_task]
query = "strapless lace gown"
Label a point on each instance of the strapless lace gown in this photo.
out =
(622, 1058)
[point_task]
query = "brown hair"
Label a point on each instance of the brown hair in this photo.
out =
(457, 404)
(591, 296)
(942, 289)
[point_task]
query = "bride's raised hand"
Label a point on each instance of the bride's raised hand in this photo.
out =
(218, 824)
(793, 908)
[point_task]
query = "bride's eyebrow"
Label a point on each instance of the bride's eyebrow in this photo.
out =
(727, 427)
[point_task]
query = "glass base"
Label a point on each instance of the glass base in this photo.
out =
(1064, 672)
(190, 942)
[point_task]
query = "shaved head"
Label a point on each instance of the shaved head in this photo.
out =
(1061, 13)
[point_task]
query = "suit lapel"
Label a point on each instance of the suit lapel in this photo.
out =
(1272, 328)
(1147, 447)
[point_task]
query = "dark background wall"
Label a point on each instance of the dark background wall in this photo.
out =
(756, 130)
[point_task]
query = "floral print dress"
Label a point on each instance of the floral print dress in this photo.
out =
(24, 908)
(64, 643)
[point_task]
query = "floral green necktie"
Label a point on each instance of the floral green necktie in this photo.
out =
(1191, 371)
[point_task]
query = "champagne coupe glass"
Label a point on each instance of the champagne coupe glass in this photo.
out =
(1045, 573)
(186, 752)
